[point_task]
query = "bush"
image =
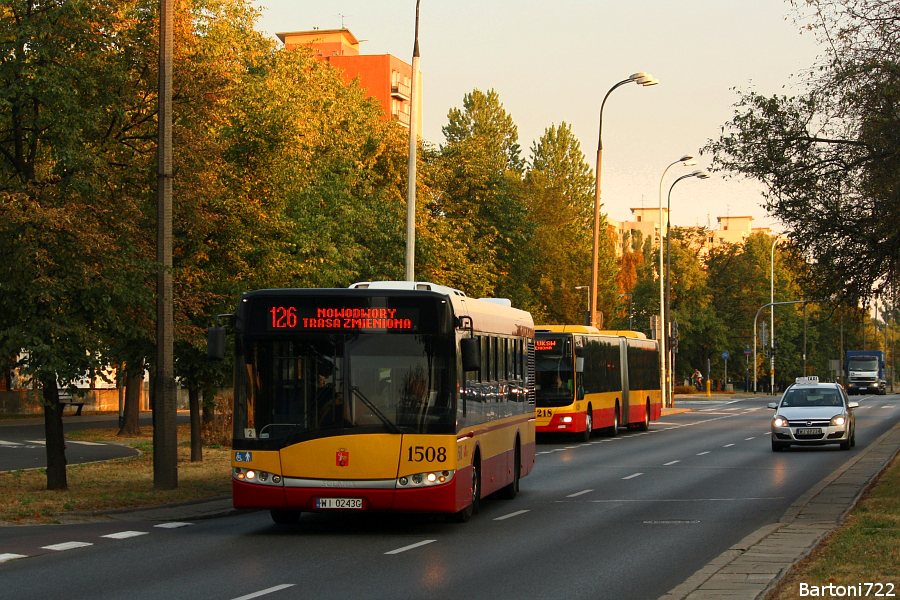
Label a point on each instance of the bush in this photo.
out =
(217, 431)
(684, 389)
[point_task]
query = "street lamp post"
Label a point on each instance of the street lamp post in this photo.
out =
(411, 165)
(670, 357)
(772, 326)
(587, 315)
(686, 160)
(642, 79)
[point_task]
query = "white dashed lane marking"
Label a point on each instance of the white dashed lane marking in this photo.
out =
(511, 515)
(633, 476)
(66, 546)
(123, 535)
(582, 492)
(266, 591)
(411, 547)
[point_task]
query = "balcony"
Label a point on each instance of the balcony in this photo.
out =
(400, 92)
(401, 116)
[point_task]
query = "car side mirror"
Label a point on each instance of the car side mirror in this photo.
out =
(773, 405)
(852, 404)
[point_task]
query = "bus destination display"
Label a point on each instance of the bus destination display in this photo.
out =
(342, 318)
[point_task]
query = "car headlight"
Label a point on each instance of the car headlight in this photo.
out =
(780, 421)
(838, 420)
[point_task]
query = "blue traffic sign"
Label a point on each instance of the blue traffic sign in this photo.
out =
(725, 355)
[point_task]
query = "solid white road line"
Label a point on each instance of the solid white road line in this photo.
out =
(123, 535)
(582, 492)
(511, 515)
(5, 443)
(66, 546)
(266, 591)
(80, 443)
(410, 547)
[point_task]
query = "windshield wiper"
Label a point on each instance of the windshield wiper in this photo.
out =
(387, 422)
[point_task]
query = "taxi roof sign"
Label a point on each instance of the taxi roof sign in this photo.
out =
(808, 379)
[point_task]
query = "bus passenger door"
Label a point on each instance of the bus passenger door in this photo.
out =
(624, 417)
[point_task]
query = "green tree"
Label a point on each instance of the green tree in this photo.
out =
(829, 157)
(67, 217)
(559, 198)
(480, 176)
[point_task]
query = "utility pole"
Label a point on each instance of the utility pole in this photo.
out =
(165, 433)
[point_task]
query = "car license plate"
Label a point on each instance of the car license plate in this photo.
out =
(813, 431)
(355, 503)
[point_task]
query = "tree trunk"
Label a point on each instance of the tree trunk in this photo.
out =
(134, 382)
(196, 437)
(53, 431)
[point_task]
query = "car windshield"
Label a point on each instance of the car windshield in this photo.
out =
(811, 397)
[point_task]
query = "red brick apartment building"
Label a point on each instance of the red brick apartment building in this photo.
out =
(384, 76)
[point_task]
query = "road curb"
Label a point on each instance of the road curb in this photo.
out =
(754, 566)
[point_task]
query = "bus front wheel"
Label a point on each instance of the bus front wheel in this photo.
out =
(465, 514)
(588, 424)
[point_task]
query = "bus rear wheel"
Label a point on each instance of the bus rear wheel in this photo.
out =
(509, 492)
(285, 517)
(645, 425)
(614, 430)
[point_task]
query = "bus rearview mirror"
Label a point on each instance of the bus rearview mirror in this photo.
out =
(215, 343)
(470, 352)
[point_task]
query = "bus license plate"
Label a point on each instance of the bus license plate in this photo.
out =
(355, 503)
(813, 431)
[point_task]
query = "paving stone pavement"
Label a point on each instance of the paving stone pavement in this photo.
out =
(754, 566)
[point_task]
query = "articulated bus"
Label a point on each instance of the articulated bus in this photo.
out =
(590, 380)
(386, 396)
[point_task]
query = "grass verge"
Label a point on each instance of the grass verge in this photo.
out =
(865, 549)
(114, 484)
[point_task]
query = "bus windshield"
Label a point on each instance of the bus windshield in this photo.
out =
(554, 377)
(331, 384)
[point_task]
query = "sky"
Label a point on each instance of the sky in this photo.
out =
(554, 60)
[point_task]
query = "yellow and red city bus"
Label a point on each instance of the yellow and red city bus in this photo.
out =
(387, 396)
(588, 379)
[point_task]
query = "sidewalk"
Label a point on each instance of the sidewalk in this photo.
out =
(751, 568)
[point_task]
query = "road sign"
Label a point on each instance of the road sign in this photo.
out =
(725, 355)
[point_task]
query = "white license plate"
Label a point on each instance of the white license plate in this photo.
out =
(813, 431)
(355, 503)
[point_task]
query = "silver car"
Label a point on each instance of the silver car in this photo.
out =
(812, 414)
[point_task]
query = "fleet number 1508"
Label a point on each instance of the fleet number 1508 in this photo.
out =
(427, 454)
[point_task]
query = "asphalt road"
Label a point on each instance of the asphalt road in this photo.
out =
(626, 518)
(23, 446)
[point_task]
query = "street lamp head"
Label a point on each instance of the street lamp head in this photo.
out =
(644, 79)
(686, 158)
(700, 174)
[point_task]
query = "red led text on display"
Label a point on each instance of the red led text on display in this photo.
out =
(286, 317)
